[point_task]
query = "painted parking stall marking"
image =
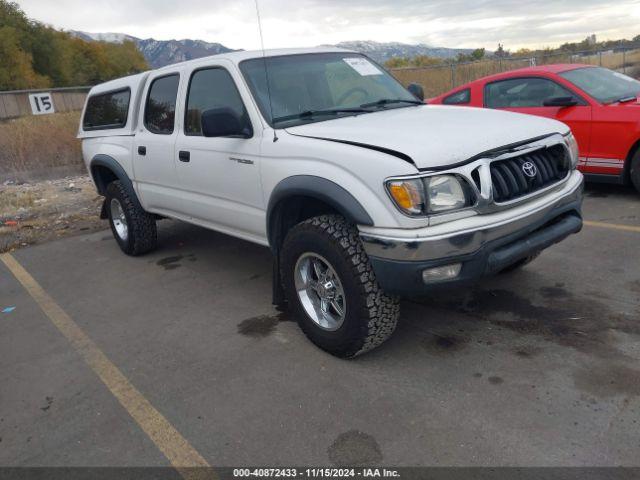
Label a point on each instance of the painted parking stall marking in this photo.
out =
(182, 456)
(612, 226)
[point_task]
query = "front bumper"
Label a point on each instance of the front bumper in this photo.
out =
(483, 244)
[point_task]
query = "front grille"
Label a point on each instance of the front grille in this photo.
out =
(519, 176)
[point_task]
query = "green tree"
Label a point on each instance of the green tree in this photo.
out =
(34, 55)
(501, 52)
(474, 56)
(16, 71)
(124, 59)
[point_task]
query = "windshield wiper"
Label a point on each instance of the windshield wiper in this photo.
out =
(629, 98)
(387, 101)
(314, 113)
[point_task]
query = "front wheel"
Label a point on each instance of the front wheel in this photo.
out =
(331, 286)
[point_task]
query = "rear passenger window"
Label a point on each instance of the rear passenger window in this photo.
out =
(209, 89)
(458, 98)
(160, 110)
(107, 110)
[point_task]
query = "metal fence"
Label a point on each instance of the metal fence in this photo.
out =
(16, 103)
(438, 79)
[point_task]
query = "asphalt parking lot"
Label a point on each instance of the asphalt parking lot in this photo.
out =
(539, 367)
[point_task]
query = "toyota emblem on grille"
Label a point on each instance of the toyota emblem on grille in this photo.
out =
(529, 169)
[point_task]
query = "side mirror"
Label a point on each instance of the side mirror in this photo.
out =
(224, 122)
(417, 91)
(560, 102)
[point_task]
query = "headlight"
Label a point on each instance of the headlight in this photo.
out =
(572, 143)
(445, 192)
(435, 194)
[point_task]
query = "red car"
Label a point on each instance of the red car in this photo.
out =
(599, 105)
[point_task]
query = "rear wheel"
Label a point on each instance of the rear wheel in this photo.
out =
(634, 170)
(133, 228)
(330, 285)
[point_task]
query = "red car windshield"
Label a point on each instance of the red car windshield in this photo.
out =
(603, 84)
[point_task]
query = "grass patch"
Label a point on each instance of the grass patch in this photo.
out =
(11, 201)
(38, 143)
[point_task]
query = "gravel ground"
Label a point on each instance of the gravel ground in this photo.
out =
(32, 213)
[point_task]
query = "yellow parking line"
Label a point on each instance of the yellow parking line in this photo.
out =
(171, 443)
(613, 226)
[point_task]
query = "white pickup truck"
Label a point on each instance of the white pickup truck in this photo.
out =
(362, 192)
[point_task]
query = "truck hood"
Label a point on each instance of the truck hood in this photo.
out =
(433, 135)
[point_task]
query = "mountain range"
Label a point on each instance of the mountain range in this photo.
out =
(159, 53)
(381, 52)
(165, 52)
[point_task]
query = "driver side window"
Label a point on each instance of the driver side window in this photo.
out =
(522, 92)
(210, 88)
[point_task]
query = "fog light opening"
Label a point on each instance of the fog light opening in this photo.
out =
(438, 274)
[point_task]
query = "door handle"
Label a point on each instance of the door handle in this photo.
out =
(142, 150)
(184, 156)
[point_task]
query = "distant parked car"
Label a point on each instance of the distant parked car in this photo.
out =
(599, 105)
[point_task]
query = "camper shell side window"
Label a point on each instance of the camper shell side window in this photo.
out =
(107, 110)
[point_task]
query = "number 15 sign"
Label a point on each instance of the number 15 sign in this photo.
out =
(41, 103)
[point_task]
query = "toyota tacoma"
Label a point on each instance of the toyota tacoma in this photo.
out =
(362, 192)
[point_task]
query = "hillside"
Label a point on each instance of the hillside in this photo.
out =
(381, 52)
(159, 53)
(34, 55)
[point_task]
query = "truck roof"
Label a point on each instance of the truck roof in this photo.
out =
(132, 81)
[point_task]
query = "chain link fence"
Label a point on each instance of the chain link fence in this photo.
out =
(438, 79)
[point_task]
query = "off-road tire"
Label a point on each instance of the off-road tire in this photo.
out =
(634, 170)
(371, 315)
(520, 263)
(142, 232)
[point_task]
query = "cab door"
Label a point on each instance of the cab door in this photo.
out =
(220, 176)
(154, 166)
(529, 94)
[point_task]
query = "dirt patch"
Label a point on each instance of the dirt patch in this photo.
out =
(608, 380)
(261, 326)
(557, 291)
(49, 402)
(526, 351)
(170, 263)
(583, 323)
(353, 449)
(32, 213)
(444, 343)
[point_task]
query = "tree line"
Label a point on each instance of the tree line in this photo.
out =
(35, 55)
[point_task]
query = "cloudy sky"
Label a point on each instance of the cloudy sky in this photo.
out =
(288, 23)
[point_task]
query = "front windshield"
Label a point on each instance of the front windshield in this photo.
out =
(321, 86)
(603, 84)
